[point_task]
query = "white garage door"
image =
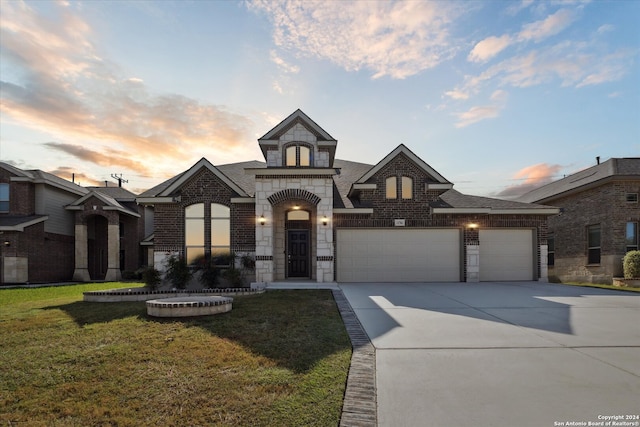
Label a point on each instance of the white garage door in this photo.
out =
(506, 255)
(392, 255)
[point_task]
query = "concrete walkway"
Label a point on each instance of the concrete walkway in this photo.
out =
(501, 354)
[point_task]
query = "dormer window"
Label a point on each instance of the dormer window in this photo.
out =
(298, 155)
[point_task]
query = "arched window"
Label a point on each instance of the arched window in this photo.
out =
(298, 155)
(220, 232)
(407, 187)
(194, 232)
(197, 242)
(392, 187)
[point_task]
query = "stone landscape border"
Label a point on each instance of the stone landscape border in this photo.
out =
(144, 294)
(359, 407)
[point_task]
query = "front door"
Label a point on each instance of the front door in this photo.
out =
(298, 253)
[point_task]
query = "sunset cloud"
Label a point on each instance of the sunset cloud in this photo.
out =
(530, 178)
(58, 83)
(395, 39)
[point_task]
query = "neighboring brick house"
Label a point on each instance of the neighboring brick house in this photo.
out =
(53, 230)
(305, 215)
(598, 222)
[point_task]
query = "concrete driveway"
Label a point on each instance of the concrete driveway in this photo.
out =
(501, 354)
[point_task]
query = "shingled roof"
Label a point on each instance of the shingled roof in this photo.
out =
(618, 168)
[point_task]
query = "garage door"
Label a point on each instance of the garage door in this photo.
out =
(392, 255)
(506, 255)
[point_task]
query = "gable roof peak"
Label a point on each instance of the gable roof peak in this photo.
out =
(403, 149)
(200, 164)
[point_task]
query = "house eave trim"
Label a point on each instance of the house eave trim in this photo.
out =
(489, 211)
(155, 200)
(292, 171)
(23, 225)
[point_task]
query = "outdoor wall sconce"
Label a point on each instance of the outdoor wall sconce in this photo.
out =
(262, 220)
(325, 220)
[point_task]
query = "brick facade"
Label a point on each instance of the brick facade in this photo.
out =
(605, 205)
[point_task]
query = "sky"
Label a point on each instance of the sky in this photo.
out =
(499, 97)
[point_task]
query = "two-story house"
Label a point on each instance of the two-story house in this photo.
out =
(307, 216)
(53, 230)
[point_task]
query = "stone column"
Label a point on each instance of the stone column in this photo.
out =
(81, 272)
(264, 244)
(113, 253)
(544, 267)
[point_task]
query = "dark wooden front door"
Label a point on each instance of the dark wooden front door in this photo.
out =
(298, 253)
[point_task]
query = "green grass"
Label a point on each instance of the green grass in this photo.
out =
(280, 358)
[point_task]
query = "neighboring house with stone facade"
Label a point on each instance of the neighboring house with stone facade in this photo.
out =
(598, 223)
(53, 230)
(307, 216)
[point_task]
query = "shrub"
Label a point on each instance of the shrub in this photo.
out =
(151, 278)
(234, 276)
(209, 274)
(178, 272)
(631, 265)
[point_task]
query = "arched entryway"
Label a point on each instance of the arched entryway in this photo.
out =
(97, 247)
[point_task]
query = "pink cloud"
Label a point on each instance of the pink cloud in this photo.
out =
(530, 177)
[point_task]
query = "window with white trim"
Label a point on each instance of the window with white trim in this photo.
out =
(632, 197)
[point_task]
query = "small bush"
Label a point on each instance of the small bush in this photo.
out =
(209, 274)
(178, 272)
(631, 265)
(151, 278)
(234, 276)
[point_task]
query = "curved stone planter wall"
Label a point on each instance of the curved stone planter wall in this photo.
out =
(187, 306)
(144, 294)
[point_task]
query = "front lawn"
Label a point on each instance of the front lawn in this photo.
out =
(278, 359)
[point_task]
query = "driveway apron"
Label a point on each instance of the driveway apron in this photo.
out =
(501, 354)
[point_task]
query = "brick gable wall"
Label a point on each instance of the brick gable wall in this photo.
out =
(203, 187)
(414, 208)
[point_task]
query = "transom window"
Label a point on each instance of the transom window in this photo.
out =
(298, 215)
(406, 187)
(199, 243)
(593, 232)
(298, 155)
(4, 197)
(631, 237)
